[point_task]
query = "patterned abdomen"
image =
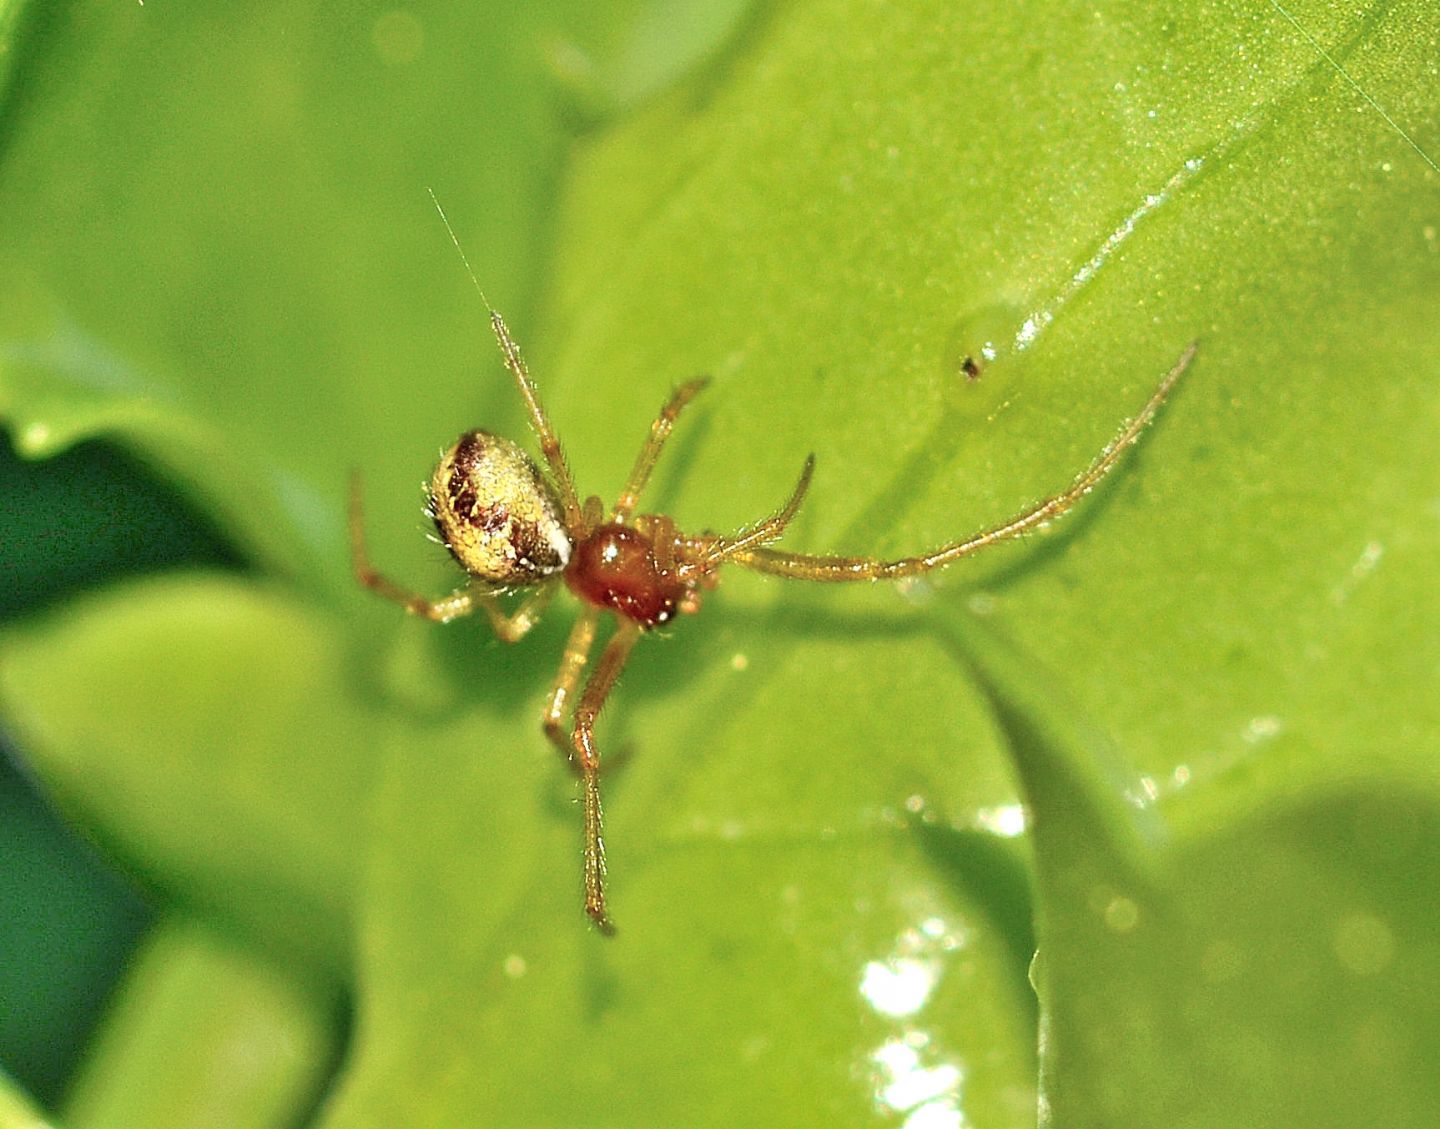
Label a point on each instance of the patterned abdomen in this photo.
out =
(496, 512)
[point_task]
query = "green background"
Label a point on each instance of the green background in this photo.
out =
(223, 285)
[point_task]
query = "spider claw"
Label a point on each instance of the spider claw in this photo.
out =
(600, 919)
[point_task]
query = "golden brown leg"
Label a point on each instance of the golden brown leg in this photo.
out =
(572, 663)
(602, 681)
(654, 444)
(717, 550)
(441, 611)
(549, 442)
(516, 625)
(805, 567)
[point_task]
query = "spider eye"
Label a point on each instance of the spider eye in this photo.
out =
(496, 513)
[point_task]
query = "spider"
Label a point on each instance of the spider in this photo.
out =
(513, 528)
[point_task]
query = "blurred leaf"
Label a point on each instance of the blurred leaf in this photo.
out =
(208, 732)
(202, 1034)
(68, 923)
(227, 282)
(16, 1110)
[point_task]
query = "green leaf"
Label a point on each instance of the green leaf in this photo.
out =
(238, 278)
(1280, 954)
(209, 732)
(819, 919)
(205, 1033)
(16, 1109)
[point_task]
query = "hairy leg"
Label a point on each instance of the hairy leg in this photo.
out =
(654, 444)
(516, 625)
(802, 566)
(441, 611)
(597, 690)
(549, 442)
(567, 678)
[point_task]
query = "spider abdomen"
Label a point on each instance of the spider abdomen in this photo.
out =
(615, 567)
(496, 512)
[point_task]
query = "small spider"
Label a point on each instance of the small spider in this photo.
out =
(511, 528)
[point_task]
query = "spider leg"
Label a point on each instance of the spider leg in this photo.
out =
(602, 681)
(512, 627)
(549, 442)
(715, 550)
(806, 567)
(441, 611)
(567, 678)
(654, 444)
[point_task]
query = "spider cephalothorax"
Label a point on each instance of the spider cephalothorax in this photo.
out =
(513, 528)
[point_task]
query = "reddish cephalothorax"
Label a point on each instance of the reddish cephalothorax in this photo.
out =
(512, 528)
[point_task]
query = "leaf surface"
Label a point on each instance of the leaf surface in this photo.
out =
(822, 913)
